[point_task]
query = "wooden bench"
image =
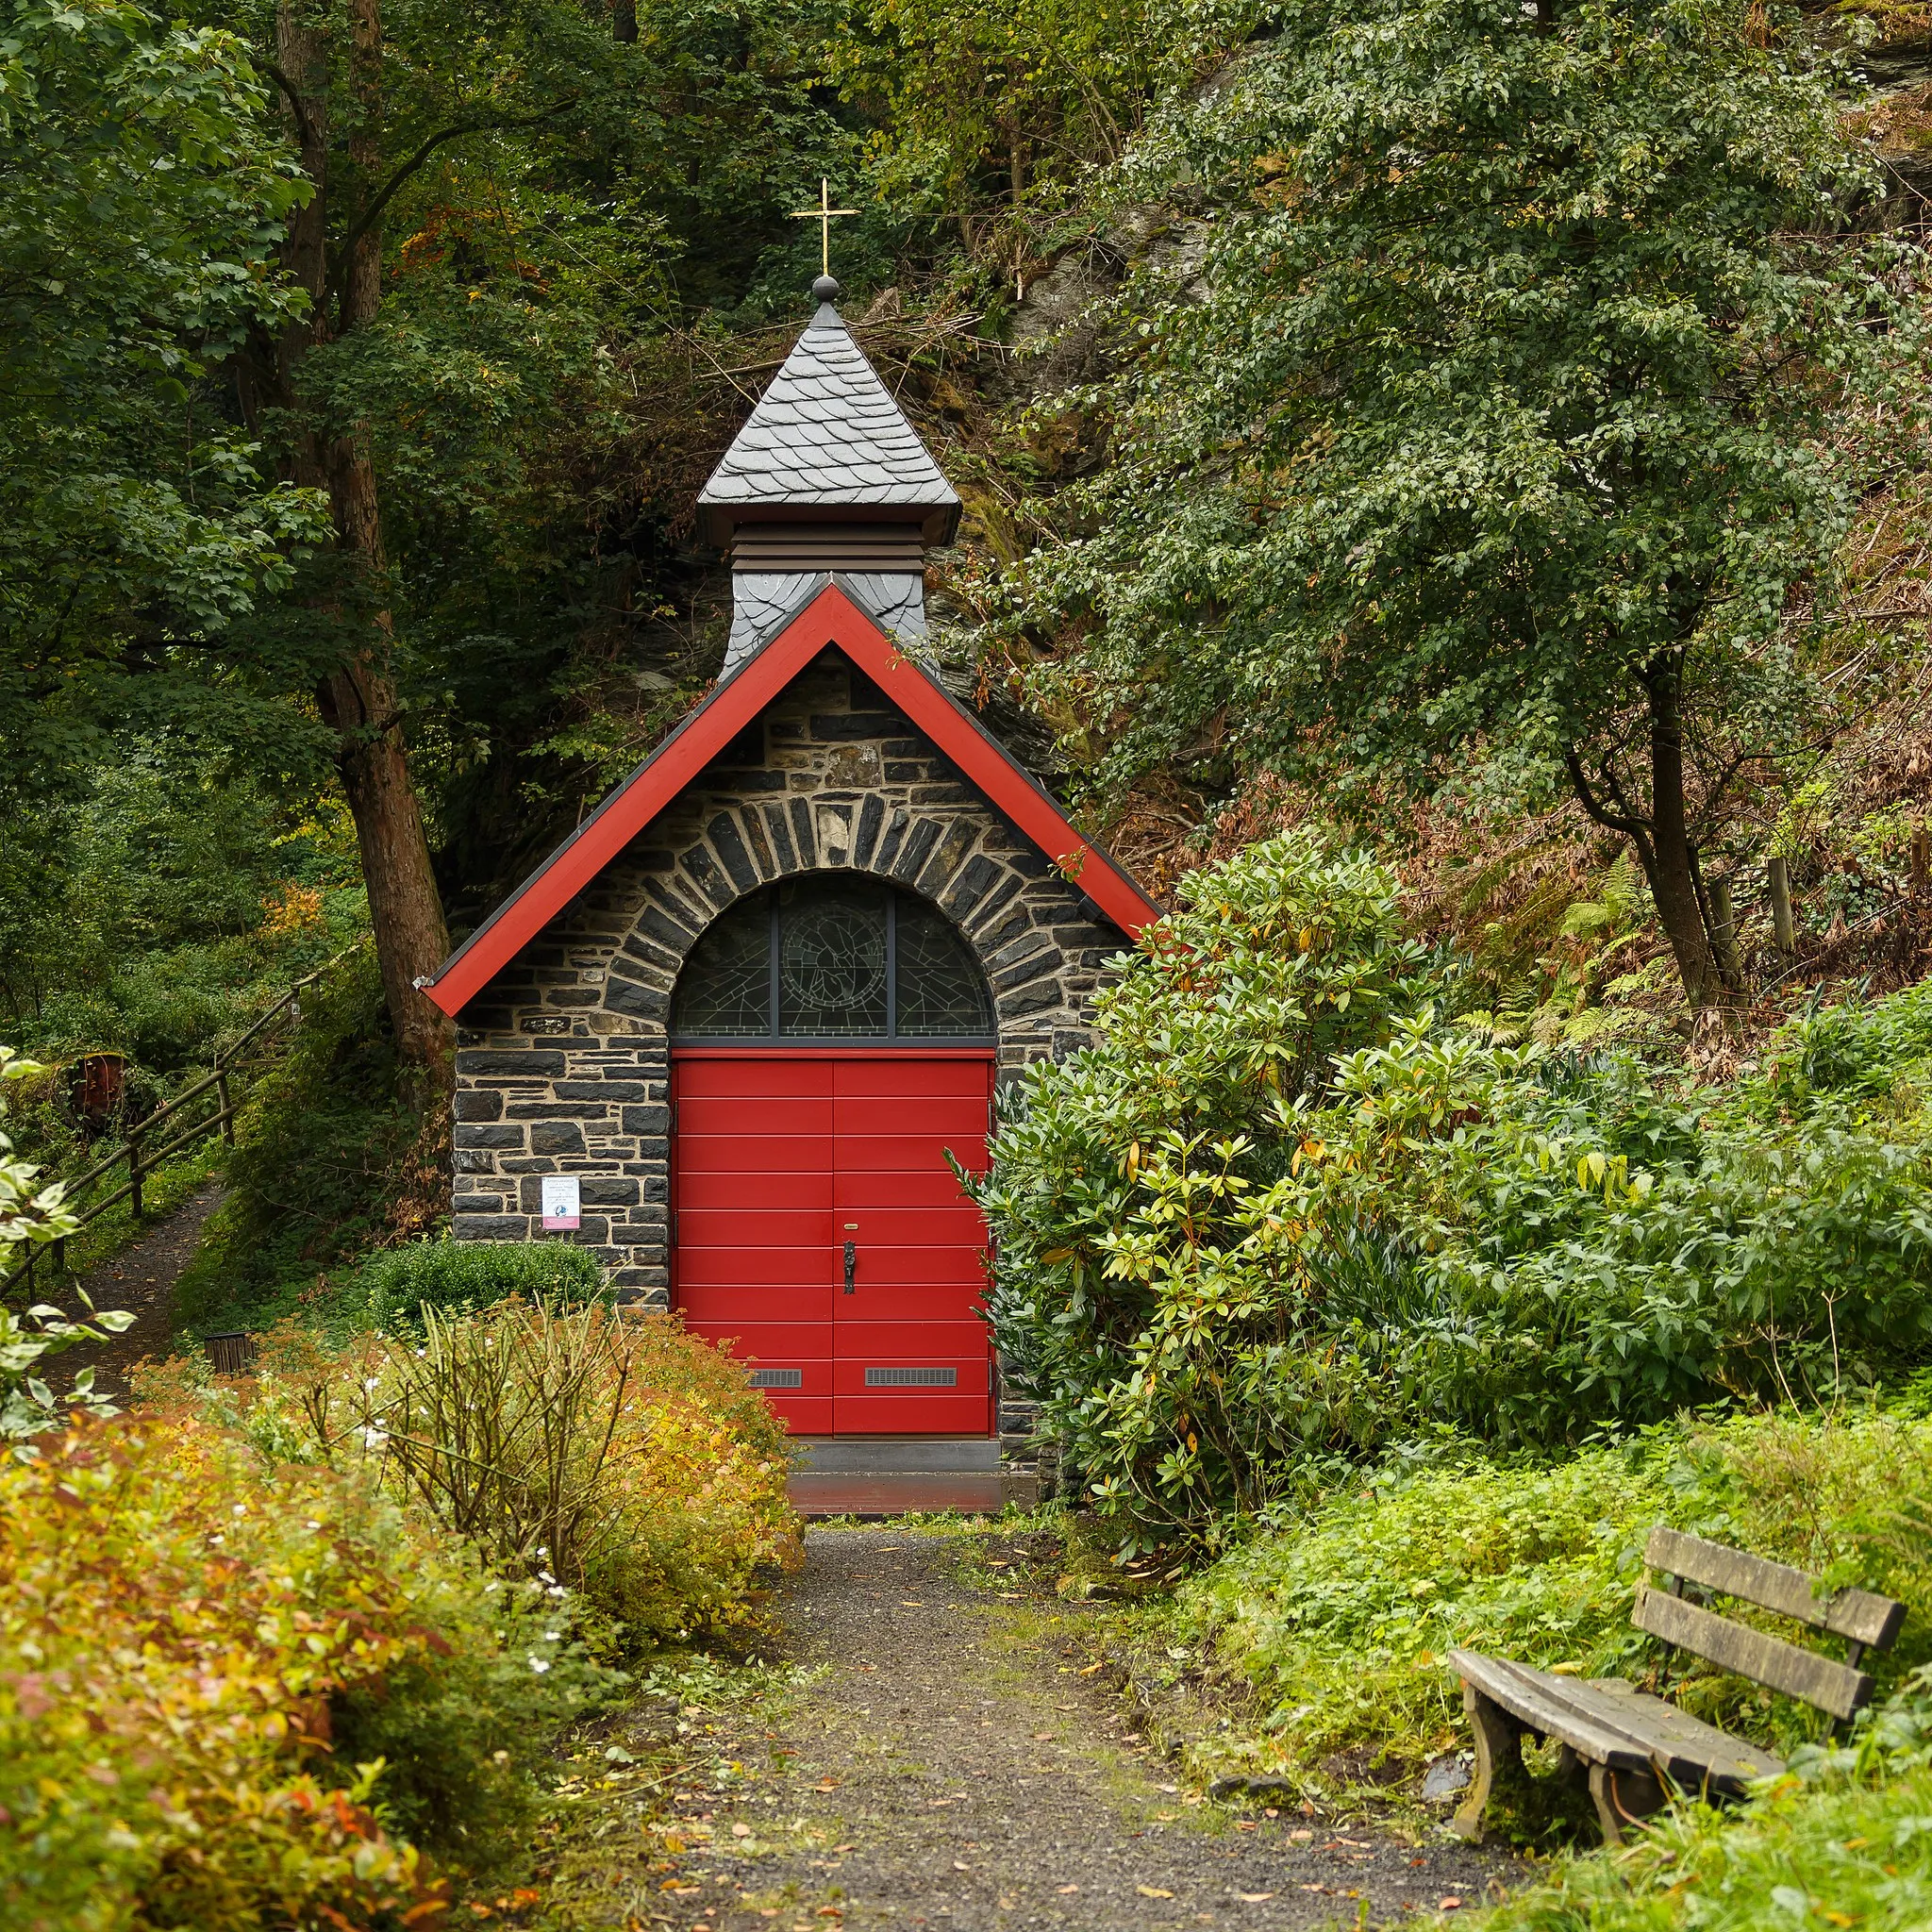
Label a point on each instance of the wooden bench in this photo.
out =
(1635, 1749)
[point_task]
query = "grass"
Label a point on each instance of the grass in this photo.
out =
(1859, 1856)
(1332, 1629)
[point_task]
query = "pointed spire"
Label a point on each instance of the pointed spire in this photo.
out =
(827, 438)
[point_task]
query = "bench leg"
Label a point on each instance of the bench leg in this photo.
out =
(1498, 1754)
(1623, 1797)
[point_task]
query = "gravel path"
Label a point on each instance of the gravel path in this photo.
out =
(956, 1765)
(142, 1281)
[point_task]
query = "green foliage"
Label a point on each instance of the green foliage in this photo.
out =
(31, 1215)
(140, 194)
(1850, 1846)
(1281, 1216)
(983, 104)
(601, 1452)
(162, 905)
(1340, 1619)
(1139, 1294)
(1874, 1057)
(188, 1627)
(1513, 392)
(406, 1284)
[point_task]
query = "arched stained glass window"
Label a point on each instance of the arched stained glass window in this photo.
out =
(831, 957)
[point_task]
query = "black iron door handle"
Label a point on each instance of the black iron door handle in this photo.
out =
(850, 1265)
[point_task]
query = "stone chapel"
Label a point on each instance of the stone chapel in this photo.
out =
(732, 1034)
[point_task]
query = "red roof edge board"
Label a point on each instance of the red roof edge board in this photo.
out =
(830, 618)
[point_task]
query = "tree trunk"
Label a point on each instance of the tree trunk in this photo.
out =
(1673, 864)
(358, 700)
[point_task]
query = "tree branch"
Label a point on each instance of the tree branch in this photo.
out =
(345, 251)
(1579, 780)
(304, 126)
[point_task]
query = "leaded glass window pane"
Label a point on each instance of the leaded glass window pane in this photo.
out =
(941, 993)
(724, 992)
(832, 962)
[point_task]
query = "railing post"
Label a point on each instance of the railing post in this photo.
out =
(1724, 919)
(134, 1170)
(227, 1112)
(1777, 874)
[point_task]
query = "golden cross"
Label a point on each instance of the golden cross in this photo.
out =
(823, 214)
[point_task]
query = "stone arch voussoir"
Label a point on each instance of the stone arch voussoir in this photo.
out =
(950, 858)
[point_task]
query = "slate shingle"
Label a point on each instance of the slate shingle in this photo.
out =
(827, 432)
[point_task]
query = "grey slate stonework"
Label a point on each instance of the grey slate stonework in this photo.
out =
(762, 601)
(563, 1061)
(827, 432)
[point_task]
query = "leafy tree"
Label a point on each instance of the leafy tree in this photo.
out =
(139, 200)
(980, 107)
(1513, 410)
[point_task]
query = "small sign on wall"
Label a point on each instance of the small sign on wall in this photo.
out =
(562, 1201)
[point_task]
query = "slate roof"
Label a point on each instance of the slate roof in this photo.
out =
(826, 433)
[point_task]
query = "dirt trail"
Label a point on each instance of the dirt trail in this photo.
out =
(139, 1279)
(952, 1766)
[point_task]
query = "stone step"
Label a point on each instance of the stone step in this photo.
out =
(895, 1455)
(980, 1492)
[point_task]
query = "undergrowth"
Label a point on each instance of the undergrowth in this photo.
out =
(330, 1162)
(224, 1681)
(1339, 1623)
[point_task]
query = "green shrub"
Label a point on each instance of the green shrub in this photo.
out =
(1225, 1017)
(453, 1277)
(1284, 1214)
(610, 1454)
(324, 1148)
(1339, 1622)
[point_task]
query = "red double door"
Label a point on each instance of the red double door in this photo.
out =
(818, 1225)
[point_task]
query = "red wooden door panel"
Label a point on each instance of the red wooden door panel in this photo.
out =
(783, 1158)
(751, 1192)
(910, 1355)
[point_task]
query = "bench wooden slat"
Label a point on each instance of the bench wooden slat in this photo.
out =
(1524, 1693)
(1819, 1681)
(1689, 1751)
(1610, 1722)
(1872, 1621)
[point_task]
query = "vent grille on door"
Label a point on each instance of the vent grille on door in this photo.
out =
(777, 1378)
(912, 1379)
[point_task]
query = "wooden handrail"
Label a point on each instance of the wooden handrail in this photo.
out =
(138, 1150)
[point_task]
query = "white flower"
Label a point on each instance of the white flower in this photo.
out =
(239, 1510)
(314, 1525)
(551, 1636)
(539, 1664)
(369, 1383)
(373, 1438)
(556, 1590)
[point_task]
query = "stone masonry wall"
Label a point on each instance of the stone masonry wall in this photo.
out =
(562, 1061)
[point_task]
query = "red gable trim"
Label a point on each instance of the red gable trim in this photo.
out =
(830, 618)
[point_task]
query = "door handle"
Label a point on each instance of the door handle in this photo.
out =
(851, 1266)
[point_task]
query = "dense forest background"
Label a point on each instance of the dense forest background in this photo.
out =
(1495, 431)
